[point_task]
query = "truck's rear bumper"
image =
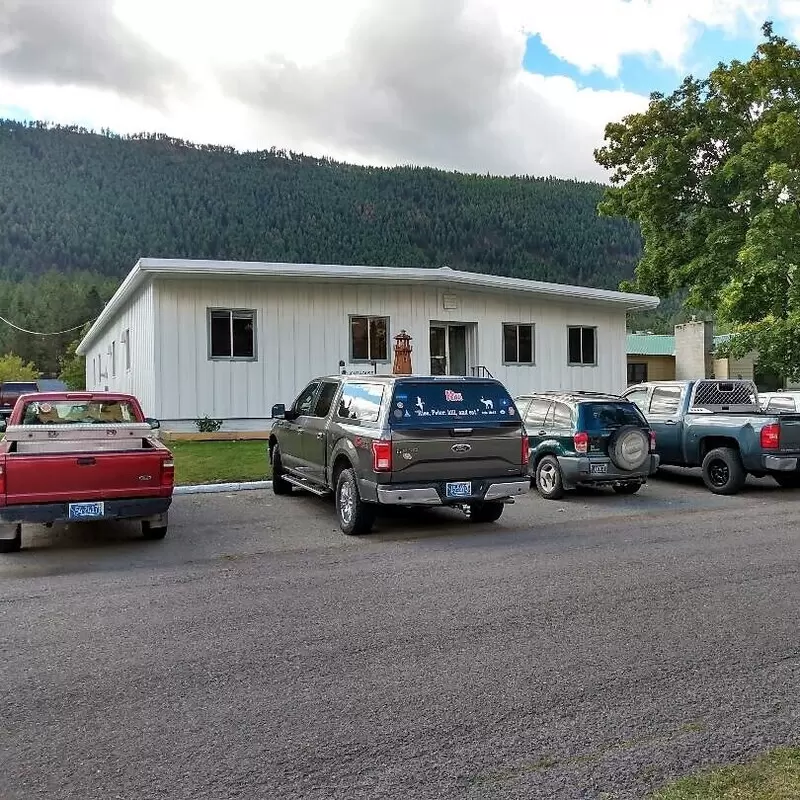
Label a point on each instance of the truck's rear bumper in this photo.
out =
(780, 463)
(46, 513)
(435, 494)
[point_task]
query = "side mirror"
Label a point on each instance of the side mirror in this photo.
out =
(3, 426)
(153, 423)
(278, 411)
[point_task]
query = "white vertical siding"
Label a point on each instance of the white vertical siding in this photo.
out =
(137, 318)
(303, 331)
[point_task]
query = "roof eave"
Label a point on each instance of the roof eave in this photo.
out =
(474, 280)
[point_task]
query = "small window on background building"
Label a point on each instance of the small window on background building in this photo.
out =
(518, 343)
(369, 338)
(582, 346)
(637, 373)
(232, 334)
(113, 356)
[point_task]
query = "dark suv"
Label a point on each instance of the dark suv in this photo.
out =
(401, 440)
(584, 438)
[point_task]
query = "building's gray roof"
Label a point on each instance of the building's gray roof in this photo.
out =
(147, 268)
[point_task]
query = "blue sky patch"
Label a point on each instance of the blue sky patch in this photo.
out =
(644, 74)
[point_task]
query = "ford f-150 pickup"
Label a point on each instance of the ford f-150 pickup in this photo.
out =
(80, 457)
(406, 440)
(719, 426)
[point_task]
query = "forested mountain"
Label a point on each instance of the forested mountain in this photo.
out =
(78, 203)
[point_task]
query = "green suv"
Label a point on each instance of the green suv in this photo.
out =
(586, 438)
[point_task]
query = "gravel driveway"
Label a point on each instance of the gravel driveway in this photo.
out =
(590, 648)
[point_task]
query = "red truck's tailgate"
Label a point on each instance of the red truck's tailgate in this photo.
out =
(34, 478)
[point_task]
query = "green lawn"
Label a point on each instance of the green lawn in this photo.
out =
(220, 462)
(774, 776)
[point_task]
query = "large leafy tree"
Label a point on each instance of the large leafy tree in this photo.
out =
(712, 175)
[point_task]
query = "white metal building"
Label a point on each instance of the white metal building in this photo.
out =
(229, 339)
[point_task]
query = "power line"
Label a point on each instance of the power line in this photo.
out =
(43, 333)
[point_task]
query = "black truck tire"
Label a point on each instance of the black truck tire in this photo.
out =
(12, 545)
(485, 512)
(355, 516)
(723, 472)
(280, 485)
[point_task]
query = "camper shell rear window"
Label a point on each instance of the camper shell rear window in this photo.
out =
(447, 403)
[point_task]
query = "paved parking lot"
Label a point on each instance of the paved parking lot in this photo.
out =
(586, 648)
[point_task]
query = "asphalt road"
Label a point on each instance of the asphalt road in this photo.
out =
(590, 648)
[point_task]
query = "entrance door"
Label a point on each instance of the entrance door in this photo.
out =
(449, 347)
(457, 347)
(438, 350)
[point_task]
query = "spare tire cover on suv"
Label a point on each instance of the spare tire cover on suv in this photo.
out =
(629, 447)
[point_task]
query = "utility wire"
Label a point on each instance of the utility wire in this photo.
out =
(43, 333)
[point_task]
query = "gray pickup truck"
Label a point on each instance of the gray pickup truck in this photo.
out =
(719, 426)
(401, 440)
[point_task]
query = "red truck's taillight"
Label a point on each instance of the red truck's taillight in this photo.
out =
(382, 456)
(2, 482)
(771, 436)
(581, 440)
(652, 441)
(168, 472)
(526, 450)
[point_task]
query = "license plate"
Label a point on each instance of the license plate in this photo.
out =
(598, 469)
(459, 489)
(86, 510)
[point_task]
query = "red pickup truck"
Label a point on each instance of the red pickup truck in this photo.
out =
(79, 457)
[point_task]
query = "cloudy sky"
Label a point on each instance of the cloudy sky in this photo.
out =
(502, 86)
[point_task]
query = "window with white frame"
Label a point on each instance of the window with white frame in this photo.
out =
(112, 354)
(518, 343)
(232, 334)
(369, 338)
(581, 345)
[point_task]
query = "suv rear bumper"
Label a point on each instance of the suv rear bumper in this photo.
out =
(484, 490)
(578, 469)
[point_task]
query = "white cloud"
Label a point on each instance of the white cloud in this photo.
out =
(597, 34)
(790, 11)
(372, 81)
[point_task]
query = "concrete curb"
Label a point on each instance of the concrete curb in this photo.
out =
(215, 488)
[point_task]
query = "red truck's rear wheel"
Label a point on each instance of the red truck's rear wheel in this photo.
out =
(13, 545)
(149, 531)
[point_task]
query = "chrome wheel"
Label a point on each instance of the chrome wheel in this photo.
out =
(347, 502)
(548, 477)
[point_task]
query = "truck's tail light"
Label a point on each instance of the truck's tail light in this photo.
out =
(771, 436)
(526, 450)
(581, 440)
(2, 481)
(652, 441)
(168, 472)
(381, 456)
